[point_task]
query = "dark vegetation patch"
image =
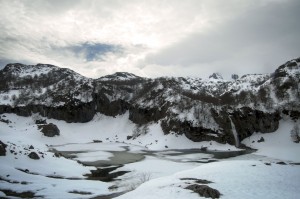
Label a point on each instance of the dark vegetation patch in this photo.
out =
(196, 180)
(81, 192)
(13, 181)
(25, 194)
(104, 174)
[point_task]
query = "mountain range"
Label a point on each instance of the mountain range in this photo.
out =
(225, 111)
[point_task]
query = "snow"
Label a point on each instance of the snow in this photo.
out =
(39, 180)
(278, 144)
(234, 179)
(6, 98)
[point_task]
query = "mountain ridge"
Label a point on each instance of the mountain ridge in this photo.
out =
(201, 109)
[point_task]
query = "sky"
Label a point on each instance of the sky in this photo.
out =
(151, 38)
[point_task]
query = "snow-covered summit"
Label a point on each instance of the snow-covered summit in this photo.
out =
(291, 67)
(119, 76)
(22, 70)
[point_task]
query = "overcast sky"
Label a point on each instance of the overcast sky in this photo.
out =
(151, 37)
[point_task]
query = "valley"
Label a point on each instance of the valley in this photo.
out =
(100, 165)
(123, 136)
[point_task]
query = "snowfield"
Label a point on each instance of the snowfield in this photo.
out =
(271, 172)
(234, 179)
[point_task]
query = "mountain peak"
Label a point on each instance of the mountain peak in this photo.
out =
(119, 76)
(216, 76)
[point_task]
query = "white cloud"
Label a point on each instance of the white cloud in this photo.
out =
(157, 37)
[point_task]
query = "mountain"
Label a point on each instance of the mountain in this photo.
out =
(225, 111)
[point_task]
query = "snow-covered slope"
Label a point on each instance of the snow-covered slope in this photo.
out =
(238, 179)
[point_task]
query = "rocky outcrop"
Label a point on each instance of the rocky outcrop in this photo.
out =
(246, 121)
(34, 156)
(295, 115)
(2, 148)
(49, 130)
(196, 134)
(69, 113)
(110, 108)
(204, 191)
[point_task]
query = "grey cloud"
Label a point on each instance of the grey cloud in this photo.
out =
(104, 36)
(256, 41)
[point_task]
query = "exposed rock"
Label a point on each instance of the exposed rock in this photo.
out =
(49, 130)
(82, 112)
(5, 121)
(129, 137)
(97, 141)
(2, 148)
(216, 76)
(268, 164)
(41, 121)
(204, 191)
(196, 134)
(81, 192)
(282, 163)
(110, 108)
(246, 121)
(143, 116)
(33, 155)
(13, 194)
(105, 175)
(261, 140)
(31, 147)
(196, 180)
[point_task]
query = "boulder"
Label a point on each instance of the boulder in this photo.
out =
(204, 191)
(49, 130)
(33, 155)
(2, 148)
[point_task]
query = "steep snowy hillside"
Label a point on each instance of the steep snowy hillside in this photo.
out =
(226, 111)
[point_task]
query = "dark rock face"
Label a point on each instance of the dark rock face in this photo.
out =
(144, 116)
(246, 121)
(69, 113)
(34, 156)
(204, 191)
(196, 134)
(2, 148)
(110, 108)
(49, 130)
(295, 115)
